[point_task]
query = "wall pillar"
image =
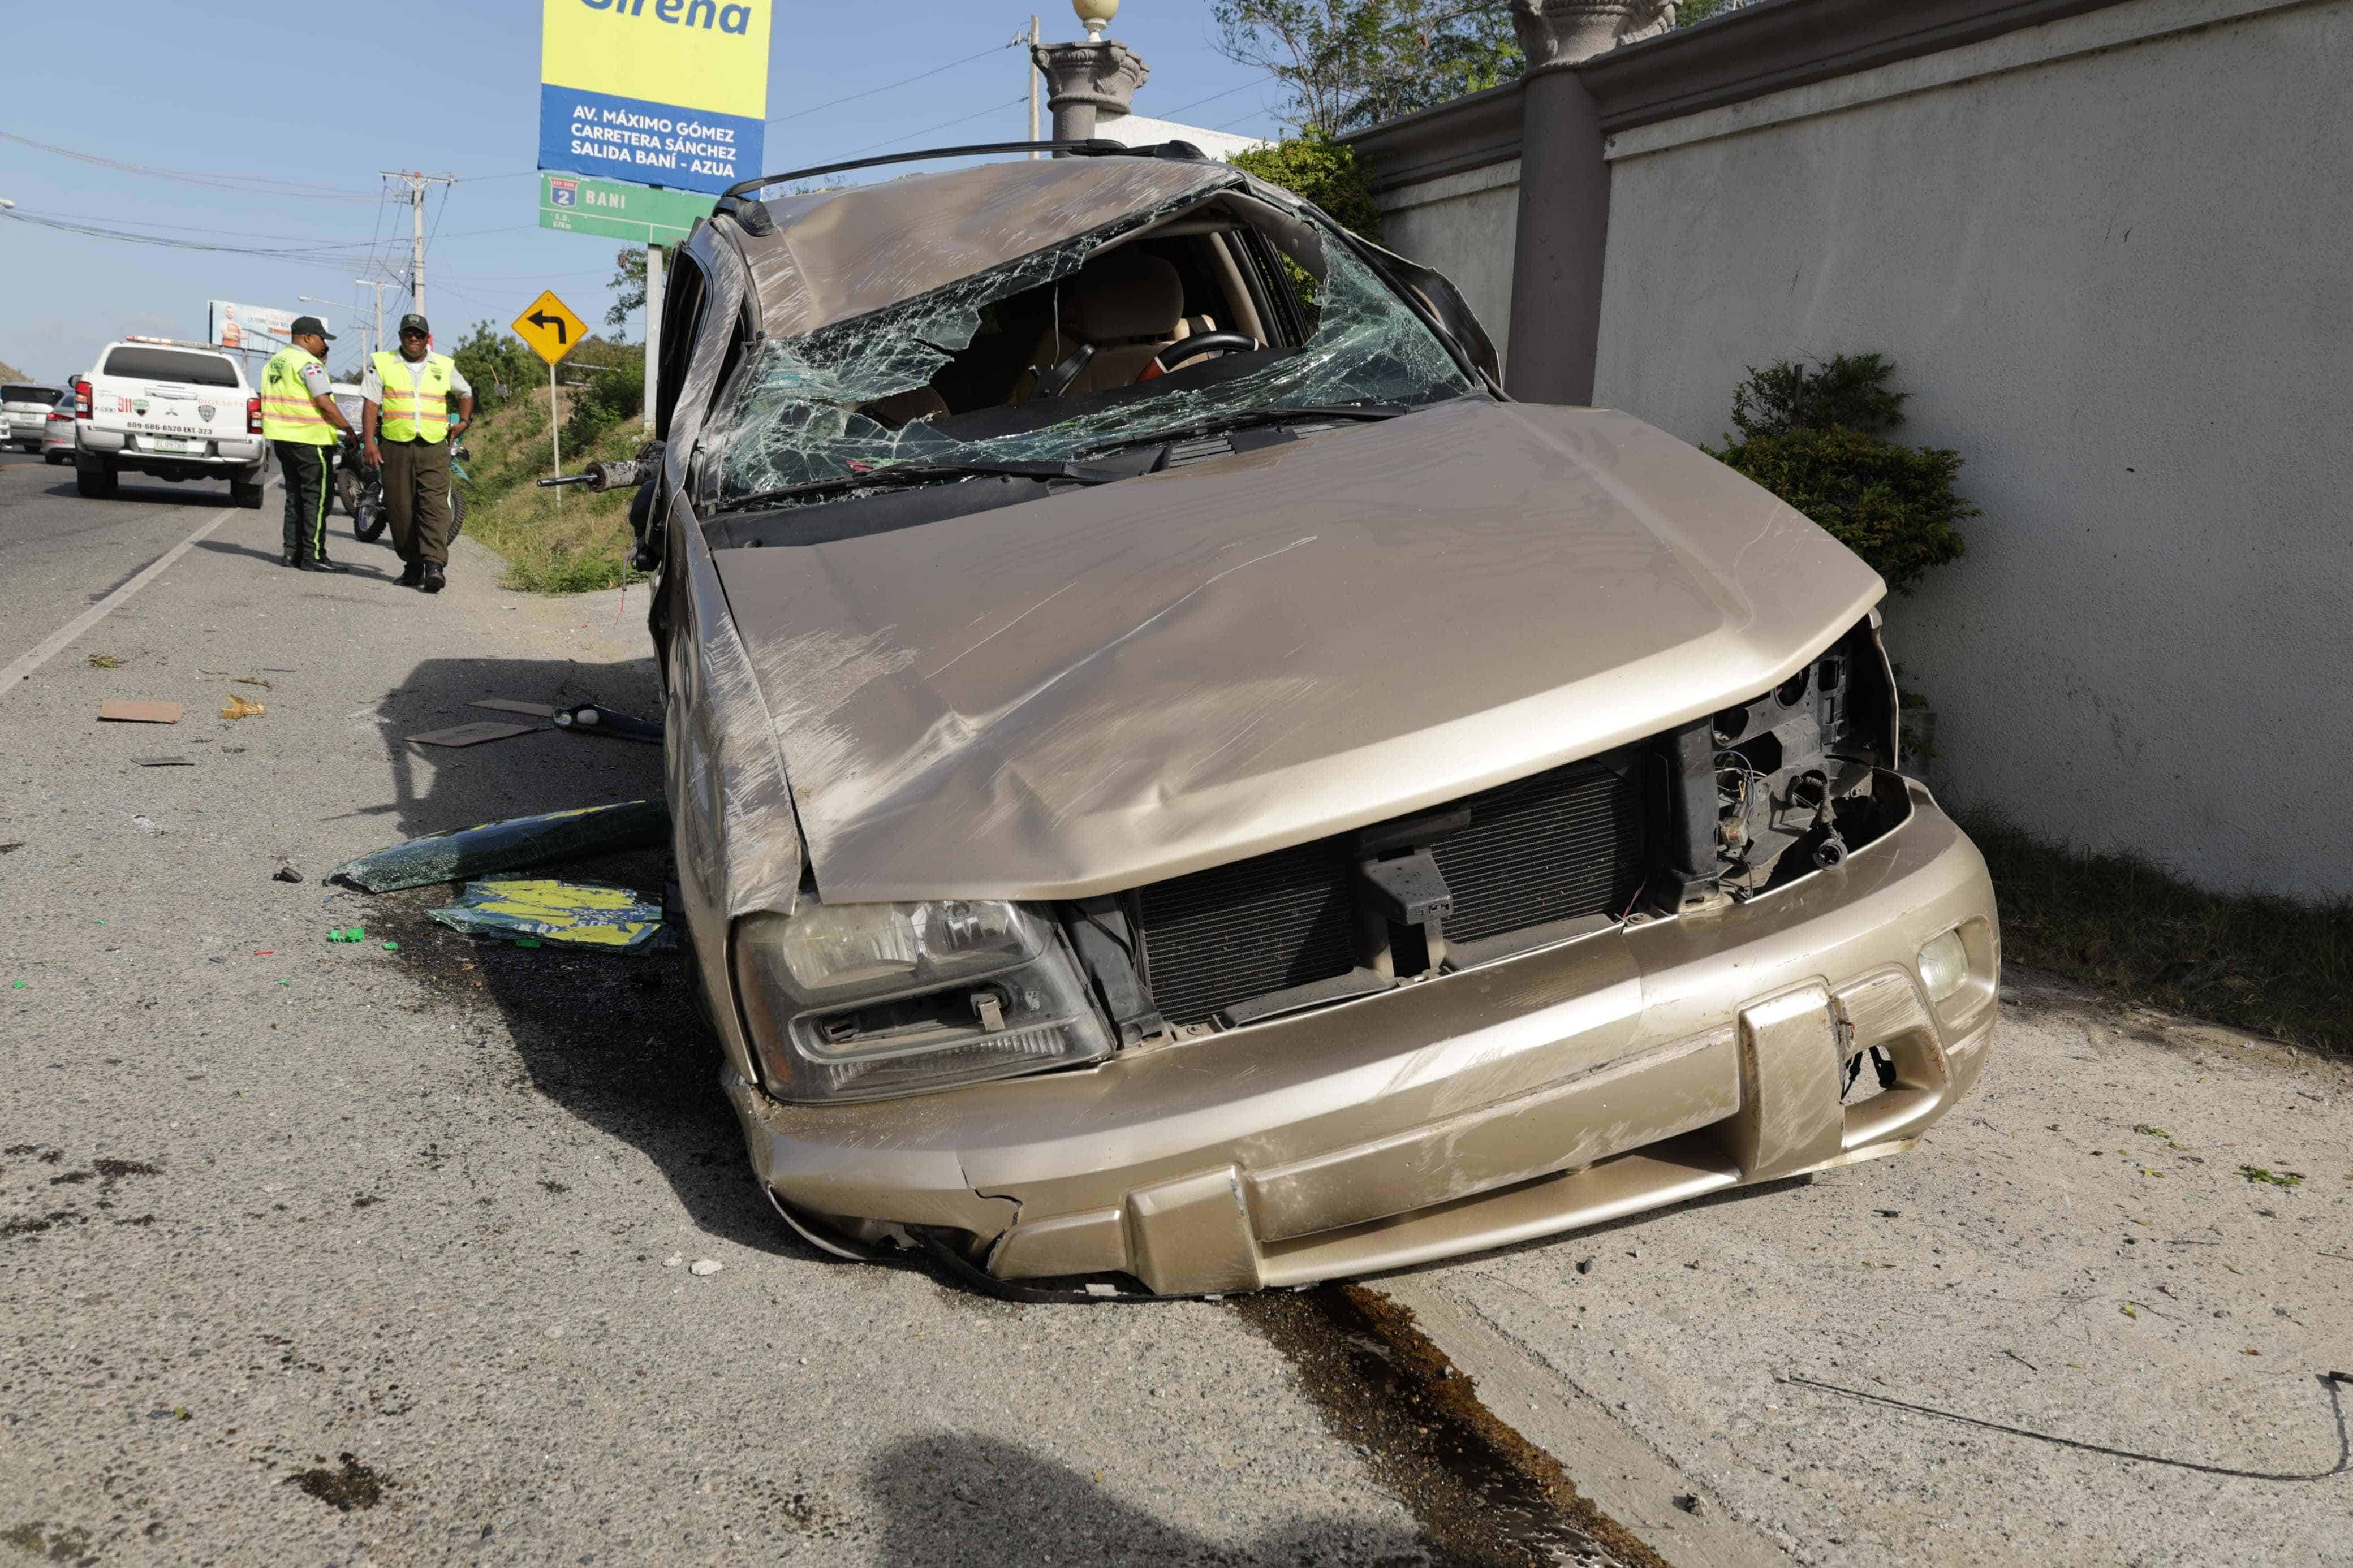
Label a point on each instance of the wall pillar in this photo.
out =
(1563, 226)
(1083, 81)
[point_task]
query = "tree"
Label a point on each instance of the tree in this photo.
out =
(1312, 164)
(499, 365)
(1354, 63)
(628, 284)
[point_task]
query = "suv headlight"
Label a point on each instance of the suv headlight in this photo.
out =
(864, 1001)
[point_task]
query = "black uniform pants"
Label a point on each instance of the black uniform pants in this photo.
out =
(307, 488)
(417, 499)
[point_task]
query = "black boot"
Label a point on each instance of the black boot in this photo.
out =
(321, 564)
(410, 575)
(433, 581)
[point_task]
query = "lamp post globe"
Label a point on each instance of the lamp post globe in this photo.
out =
(1094, 16)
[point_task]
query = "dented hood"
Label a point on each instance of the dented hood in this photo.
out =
(1121, 684)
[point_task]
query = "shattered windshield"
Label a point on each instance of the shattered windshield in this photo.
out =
(1078, 349)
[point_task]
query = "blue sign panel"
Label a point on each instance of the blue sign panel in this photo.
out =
(645, 143)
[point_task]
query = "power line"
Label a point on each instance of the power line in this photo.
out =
(943, 125)
(250, 184)
(869, 92)
(1215, 95)
(99, 231)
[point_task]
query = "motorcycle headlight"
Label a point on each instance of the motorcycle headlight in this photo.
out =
(851, 1002)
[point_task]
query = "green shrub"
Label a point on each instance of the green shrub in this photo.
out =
(1846, 392)
(1811, 437)
(1325, 172)
(615, 392)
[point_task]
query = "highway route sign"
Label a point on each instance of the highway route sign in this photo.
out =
(551, 329)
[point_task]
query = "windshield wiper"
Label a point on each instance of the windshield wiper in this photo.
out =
(1273, 414)
(932, 473)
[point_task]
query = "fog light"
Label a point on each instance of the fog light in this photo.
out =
(1944, 964)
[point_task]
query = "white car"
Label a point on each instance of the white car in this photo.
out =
(175, 411)
(23, 413)
(57, 445)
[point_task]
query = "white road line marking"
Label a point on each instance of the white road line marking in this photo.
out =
(16, 673)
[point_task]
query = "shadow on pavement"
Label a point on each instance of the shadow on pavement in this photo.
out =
(984, 1502)
(617, 1041)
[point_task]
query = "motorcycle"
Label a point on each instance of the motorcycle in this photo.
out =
(360, 488)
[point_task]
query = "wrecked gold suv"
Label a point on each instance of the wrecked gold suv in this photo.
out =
(1177, 780)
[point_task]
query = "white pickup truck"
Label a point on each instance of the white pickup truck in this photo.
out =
(175, 411)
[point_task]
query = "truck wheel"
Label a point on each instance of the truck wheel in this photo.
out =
(246, 493)
(94, 478)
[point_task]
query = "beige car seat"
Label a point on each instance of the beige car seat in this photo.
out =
(1130, 306)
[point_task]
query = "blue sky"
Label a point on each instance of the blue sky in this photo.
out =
(438, 86)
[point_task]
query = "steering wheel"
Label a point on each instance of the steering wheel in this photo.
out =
(1201, 344)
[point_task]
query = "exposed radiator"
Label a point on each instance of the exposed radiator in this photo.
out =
(1562, 843)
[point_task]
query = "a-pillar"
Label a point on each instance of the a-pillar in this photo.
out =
(1563, 229)
(1084, 81)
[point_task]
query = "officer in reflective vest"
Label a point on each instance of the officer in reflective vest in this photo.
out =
(406, 417)
(299, 418)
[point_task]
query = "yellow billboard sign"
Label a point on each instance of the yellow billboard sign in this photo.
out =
(657, 92)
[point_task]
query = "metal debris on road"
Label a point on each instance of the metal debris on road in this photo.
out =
(508, 705)
(128, 711)
(588, 719)
(579, 914)
(286, 872)
(239, 708)
(510, 846)
(472, 734)
(165, 762)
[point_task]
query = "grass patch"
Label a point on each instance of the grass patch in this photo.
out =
(2267, 965)
(576, 547)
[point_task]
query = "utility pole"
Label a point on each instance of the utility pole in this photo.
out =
(377, 284)
(416, 184)
(653, 328)
(1029, 58)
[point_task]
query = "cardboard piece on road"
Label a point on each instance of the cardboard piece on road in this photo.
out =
(551, 329)
(506, 705)
(125, 710)
(472, 734)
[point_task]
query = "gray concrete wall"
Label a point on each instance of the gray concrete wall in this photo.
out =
(1464, 226)
(2112, 256)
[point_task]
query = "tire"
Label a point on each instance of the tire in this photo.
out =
(347, 492)
(246, 493)
(457, 512)
(368, 520)
(94, 478)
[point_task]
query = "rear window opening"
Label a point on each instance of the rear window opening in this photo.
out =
(170, 365)
(17, 392)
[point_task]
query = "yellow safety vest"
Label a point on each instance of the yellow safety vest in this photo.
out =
(415, 404)
(286, 412)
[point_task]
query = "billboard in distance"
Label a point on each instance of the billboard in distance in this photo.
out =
(259, 327)
(656, 93)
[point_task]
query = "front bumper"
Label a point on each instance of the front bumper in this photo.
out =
(1632, 1070)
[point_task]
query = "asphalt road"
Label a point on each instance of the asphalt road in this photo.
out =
(266, 1201)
